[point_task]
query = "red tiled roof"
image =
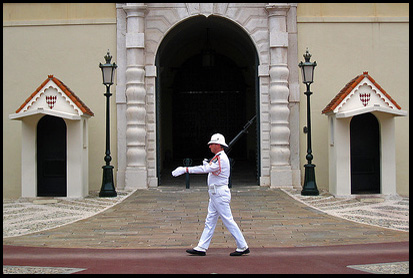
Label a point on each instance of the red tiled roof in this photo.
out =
(349, 87)
(65, 89)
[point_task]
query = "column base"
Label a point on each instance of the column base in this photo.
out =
(281, 178)
(135, 178)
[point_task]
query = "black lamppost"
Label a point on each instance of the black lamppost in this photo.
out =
(108, 186)
(307, 70)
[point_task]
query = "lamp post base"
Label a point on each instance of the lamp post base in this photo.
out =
(108, 186)
(309, 187)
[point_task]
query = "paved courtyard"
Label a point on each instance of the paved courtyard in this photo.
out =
(173, 218)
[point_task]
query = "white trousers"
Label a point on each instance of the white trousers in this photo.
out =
(219, 200)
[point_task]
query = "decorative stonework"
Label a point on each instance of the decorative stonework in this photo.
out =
(135, 176)
(281, 175)
(141, 29)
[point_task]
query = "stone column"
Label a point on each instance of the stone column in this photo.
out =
(136, 170)
(281, 173)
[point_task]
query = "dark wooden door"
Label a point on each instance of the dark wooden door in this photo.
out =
(51, 157)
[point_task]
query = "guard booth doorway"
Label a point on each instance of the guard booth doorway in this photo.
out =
(51, 157)
(206, 83)
(365, 154)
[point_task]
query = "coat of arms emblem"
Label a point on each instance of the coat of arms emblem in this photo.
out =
(365, 98)
(51, 100)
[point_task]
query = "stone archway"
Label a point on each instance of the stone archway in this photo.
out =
(142, 28)
(207, 83)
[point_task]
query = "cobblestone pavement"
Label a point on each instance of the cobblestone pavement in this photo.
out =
(389, 212)
(172, 217)
(30, 215)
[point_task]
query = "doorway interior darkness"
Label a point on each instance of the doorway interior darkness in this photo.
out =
(365, 154)
(207, 83)
(51, 157)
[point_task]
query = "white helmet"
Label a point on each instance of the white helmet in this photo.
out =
(219, 139)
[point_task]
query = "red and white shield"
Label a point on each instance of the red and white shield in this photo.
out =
(51, 100)
(365, 98)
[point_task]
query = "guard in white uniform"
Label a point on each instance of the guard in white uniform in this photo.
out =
(218, 169)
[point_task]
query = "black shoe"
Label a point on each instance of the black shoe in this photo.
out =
(195, 252)
(237, 253)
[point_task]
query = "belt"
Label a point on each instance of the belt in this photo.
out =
(213, 187)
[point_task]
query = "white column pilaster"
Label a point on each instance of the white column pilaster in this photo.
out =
(281, 173)
(136, 169)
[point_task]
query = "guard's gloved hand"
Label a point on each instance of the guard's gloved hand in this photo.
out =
(179, 171)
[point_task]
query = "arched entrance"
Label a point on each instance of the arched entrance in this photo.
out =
(365, 154)
(51, 157)
(207, 83)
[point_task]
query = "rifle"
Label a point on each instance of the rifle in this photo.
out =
(243, 131)
(233, 141)
(236, 138)
(188, 161)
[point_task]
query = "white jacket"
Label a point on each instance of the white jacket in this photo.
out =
(218, 169)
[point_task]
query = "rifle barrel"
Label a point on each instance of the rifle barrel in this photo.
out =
(244, 130)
